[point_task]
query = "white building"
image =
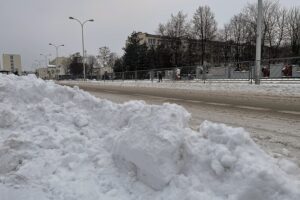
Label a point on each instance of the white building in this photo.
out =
(42, 73)
(61, 67)
(12, 63)
(51, 72)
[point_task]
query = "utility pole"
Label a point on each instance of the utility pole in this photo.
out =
(258, 43)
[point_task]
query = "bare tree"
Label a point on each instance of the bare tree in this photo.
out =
(294, 30)
(274, 20)
(238, 33)
(174, 31)
(112, 59)
(273, 30)
(205, 27)
(281, 35)
(225, 35)
(103, 57)
(176, 27)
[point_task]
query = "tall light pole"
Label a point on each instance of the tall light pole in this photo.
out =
(258, 43)
(46, 58)
(83, 56)
(56, 47)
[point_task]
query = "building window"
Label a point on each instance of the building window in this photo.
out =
(152, 42)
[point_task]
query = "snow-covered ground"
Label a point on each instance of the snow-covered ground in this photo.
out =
(62, 143)
(266, 88)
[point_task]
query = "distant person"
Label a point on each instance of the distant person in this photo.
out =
(159, 77)
(266, 71)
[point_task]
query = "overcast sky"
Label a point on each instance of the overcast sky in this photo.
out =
(27, 26)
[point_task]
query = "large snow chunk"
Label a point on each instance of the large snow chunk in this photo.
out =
(150, 145)
(154, 153)
(154, 158)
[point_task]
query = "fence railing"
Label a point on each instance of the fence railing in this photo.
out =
(279, 68)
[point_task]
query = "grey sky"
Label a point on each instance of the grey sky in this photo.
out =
(27, 26)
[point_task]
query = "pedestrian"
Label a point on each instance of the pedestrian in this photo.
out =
(159, 77)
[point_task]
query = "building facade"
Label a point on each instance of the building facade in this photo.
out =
(214, 52)
(12, 63)
(151, 40)
(50, 72)
(42, 73)
(61, 68)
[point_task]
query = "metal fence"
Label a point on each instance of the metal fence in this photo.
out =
(279, 68)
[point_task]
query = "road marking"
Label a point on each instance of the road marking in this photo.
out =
(174, 99)
(217, 104)
(289, 112)
(194, 101)
(110, 91)
(252, 108)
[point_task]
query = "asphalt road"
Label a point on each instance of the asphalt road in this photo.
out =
(272, 121)
(274, 103)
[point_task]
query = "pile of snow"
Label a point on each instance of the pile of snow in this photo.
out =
(62, 143)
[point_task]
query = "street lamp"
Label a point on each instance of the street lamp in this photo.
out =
(83, 57)
(46, 58)
(56, 47)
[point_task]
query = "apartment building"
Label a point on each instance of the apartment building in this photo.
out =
(151, 40)
(12, 63)
(215, 51)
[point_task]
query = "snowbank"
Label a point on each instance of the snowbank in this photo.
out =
(266, 88)
(62, 143)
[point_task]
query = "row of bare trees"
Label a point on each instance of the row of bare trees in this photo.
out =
(198, 40)
(281, 32)
(202, 28)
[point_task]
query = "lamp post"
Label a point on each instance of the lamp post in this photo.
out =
(83, 56)
(46, 58)
(56, 47)
(258, 44)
